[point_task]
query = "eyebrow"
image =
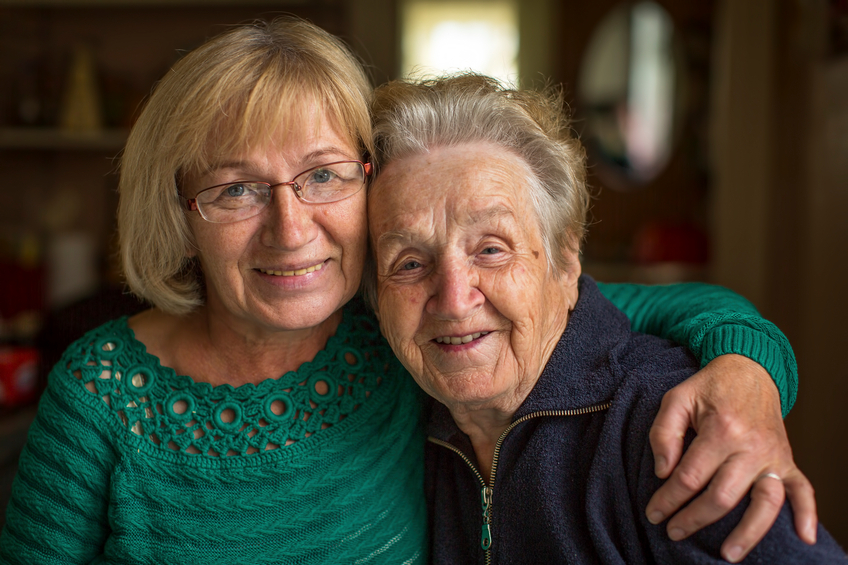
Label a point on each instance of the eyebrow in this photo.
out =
(309, 157)
(477, 217)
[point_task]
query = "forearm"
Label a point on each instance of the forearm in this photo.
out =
(711, 321)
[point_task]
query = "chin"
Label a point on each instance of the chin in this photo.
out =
(472, 391)
(290, 315)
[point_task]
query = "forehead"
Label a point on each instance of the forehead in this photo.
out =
(450, 186)
(294, 127)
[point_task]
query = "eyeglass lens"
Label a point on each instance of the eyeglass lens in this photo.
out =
(320, 185)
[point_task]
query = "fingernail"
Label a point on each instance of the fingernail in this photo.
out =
(734, 554)
(656, 517)
(811, 534)
(676, 534)
(659, 464)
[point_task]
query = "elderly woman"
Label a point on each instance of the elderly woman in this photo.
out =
(254, 414)
(539, 443)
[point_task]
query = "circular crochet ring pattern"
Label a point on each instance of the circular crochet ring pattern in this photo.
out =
(347, 353)
(287, 408)
(313, 386)
(234, 415)
(177, 401)
(108, 347)
(139, 379)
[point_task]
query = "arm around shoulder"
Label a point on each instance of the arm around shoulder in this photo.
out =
(711, 321)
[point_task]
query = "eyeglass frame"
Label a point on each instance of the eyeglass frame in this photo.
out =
(367, 168)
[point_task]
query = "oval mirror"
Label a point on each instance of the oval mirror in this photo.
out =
(629, 94)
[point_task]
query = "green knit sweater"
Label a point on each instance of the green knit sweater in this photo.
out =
(711, 321)
(128, 462)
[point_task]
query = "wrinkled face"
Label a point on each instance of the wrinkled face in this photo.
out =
(295, 264)
(465, 295)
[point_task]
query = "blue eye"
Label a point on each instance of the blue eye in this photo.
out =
(235, 190)
(322, 176)
(491, 250)
(410, 265)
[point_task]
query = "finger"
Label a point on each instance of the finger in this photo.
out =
(767, 497)
(725, 491)
(700, 462)
(668, 430)
(802, 497)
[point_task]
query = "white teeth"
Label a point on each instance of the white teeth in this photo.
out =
(296, 273)
(459, 340)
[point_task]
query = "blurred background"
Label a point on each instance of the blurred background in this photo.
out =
(717, 132)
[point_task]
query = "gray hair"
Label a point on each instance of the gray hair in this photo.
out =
(232, 92)
(411, 117)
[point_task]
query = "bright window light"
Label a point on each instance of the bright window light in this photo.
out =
(651, 96)
(441, 37)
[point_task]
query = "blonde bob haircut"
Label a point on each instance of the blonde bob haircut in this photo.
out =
(411, 117)
(237, 90)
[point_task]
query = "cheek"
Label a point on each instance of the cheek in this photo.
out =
(349, 227)
(511, 288)
(400, 312)
(354, 214)
(221, 246)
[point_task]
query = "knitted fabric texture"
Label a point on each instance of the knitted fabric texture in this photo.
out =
(128, 462)
(710, 320)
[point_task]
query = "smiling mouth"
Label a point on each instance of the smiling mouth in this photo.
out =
(447, 340)
(296, 273)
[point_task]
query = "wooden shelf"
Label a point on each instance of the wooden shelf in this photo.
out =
(54, 139)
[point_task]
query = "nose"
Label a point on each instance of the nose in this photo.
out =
(456, 295)
(289, 223)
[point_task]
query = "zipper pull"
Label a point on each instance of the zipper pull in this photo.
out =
(486, 535)
(486, 538)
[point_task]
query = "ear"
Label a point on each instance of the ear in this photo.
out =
(571, 257)
(575, 268)
(571, 270)
(190, 249)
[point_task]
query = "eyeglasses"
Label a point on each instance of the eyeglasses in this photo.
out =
(240, 200)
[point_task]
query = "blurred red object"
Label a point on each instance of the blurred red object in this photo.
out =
(670, 243)
(18, 375)
(21, 289)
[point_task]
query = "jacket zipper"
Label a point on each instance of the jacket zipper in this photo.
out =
(487, 491)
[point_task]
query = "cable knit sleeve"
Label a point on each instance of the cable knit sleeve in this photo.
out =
(711, 321)
(58, 509)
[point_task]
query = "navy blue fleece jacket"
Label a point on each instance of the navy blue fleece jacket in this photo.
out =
(572, 488)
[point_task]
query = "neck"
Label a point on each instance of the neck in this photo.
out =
(484, 427)
(208, 349)
(251, 354)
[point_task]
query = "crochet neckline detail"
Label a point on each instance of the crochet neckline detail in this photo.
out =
(344, 327)
(173, 415)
